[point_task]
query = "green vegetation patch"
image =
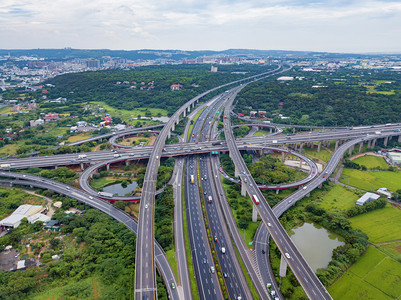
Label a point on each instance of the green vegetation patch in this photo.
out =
(391, 249)
(323, 155)
(371, 162)
(350, 286)
(367, 262)
(387, 277)
(339, 198)
(372, 180)
(261, 132)
(381, 225)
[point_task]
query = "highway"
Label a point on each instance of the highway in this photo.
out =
(306, 277)
(145, 279)
(233, 278)
(47, 184)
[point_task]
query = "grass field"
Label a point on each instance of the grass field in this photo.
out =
(90, 287)
(79, 137)
(373, 276)
(382, 225)
(371, 162)
(173, 263)
(323, 155)
(338, 199)
(261, 132)
(391, 249)
(371, 180)
(127, 115)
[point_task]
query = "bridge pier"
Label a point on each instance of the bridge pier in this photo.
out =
(301, 146)
(254, 214)
(312, 144)
(277, 191)
(283, 266)
(169, 134)
(336, 147)
(271, 130)
(399, 138)
(295, 146)
(374, 143)
(369, 144)
(350, 150)
(300, 163)
(173, 127)
(319, 145)
(360, 147)
(243, 190)
(184, 113)
(236, 172)
(385, 141)
(282, 157)
(82, 166)
(127, 162)
(108, 167)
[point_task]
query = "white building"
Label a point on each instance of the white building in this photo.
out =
(23, 211)
(385, 192)
(367, 198)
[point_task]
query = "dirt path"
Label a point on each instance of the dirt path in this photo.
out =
(366, 153)
(48, 200)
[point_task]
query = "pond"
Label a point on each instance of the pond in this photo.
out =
(117, 188)
(316, 244)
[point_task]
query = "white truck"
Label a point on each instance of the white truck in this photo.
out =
(5, 166)
(82, 156)
(117, 155)
(105, 194)
(274, 141)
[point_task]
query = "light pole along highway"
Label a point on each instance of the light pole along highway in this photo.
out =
(145, 277)
(306, 277)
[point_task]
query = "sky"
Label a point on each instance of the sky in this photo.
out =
(353, 26)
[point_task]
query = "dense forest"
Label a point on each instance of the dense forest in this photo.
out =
(102, 85)
(344, 97)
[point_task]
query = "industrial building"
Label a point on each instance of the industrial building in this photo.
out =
(394, 157)
(367, 198)
(23, 211)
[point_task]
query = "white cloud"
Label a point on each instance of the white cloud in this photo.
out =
(190, 24)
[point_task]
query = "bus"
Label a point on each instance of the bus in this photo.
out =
(192, 179)
(210, 199)
(255, 199)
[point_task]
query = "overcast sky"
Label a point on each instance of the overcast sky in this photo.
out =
(333, 26)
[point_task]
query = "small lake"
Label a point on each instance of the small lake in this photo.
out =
(316, 244)
(117, 188)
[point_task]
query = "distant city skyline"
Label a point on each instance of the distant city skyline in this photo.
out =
(354, 26)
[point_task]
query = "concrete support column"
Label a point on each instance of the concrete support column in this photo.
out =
(127, 162)
(185, 113)
(169, 134)
(189, 108)
(283, 266)
(55, 167)
(350, 150)
(312, 145)
(243, 190)
(277, 191)
(301, 147)
(385, 141)
(399, 138)
(108, 167)
(374, 143)
(319, 146)
(360, 147)
(271, 130)
(369, 144)
(254, 214)
(296, 146)
(173, 127)
(320, 186)
(300, 163)
(336, 147)
(82, 166)
(282, 157)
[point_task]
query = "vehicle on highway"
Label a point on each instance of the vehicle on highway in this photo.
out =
(173, 285)
(210, 199)
(223, 250)
(215, 238)
(255, 199)
(192, 179)
(132, 154)
(305, 187)
(204, 260)
(325, 174)
(269, 224)
(212, 269)
(263, 251)
(287, 255)
(225, 275)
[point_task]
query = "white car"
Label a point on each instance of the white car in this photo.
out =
(146, 205)
(287, 255)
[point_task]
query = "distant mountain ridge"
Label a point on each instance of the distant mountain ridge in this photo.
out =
(148, 54)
